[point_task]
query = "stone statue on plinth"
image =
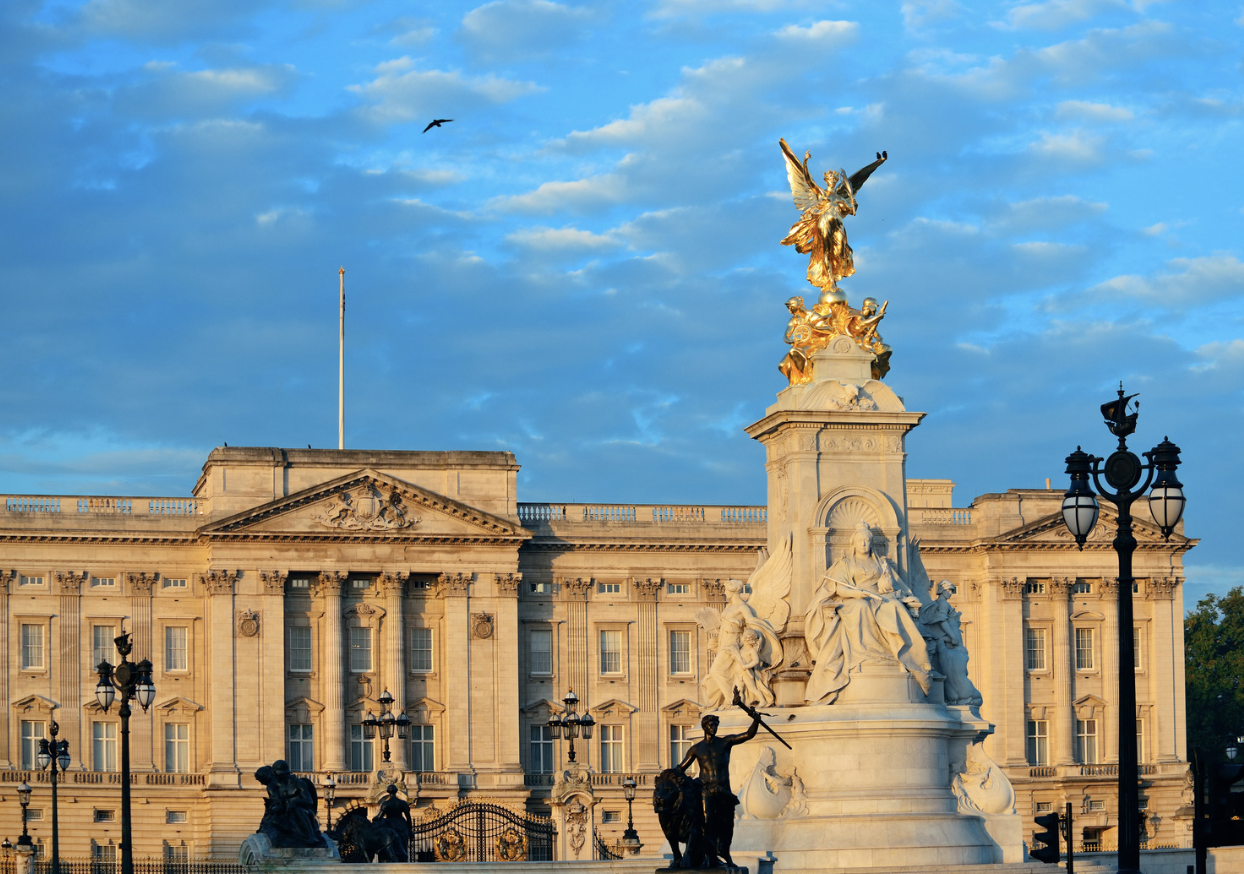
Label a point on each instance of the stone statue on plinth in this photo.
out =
(289, 809)
(712, 754)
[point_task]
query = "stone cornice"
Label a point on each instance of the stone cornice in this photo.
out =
(564, 545)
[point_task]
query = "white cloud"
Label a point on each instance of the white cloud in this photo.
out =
(1093, 111)
(1056, 14)
(400, 94)
(553, 196)
(1074, 146)
(1186, 281)
(823, 33)
(512, 29)
(918, 14)
(561, 239)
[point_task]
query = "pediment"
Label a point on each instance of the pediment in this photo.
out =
(34, 704)
(682, 707)
(612, 707)
(366, 505)
(543, 704)
(1089, 707)
(1087, 616)
(1052, 531)
(419, 709)
(178, 705)
(304, 703)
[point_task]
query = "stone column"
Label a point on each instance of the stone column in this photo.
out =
(69, 669)
(646, 723)
(1062, 665)
(509, 641)
(574, 593)
(270, 708)
(1166, 679)
(393, 586)
(221, 678)
(332, 652)
(455, 589)
(6, 748)
(142, 742)
(1010, 649)
(1108, 651)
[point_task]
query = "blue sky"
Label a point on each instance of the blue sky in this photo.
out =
(584, 266)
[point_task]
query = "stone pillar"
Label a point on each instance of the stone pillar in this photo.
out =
(393, 586)
(575, 593)
(646, 723)
(333, 752)
(6, 748)
(509, 640)
(1108, 651)
(573, 806)
(1009, 648)
(271, 705)
(222, 678)
(25, 858)
(455, 589)
(1166, 678)
(142, 742)
(1062, 665)
(69, 669)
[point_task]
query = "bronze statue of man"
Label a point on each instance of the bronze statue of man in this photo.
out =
(712, 754)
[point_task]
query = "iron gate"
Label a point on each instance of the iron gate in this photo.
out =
(478, 831)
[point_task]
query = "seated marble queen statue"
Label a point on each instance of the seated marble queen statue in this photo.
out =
(862, 610)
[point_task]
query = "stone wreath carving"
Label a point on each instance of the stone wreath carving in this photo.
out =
(482, 625)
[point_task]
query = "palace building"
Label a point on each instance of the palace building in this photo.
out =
(294, 587)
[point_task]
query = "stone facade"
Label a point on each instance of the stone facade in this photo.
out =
(296, 585)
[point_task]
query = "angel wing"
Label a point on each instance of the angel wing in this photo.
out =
(806, 192)
(917, 577)
(770, 584)
(860, 176)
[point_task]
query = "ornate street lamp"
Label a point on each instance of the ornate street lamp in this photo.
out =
(23, 798)
(133, 681)
(330, 792)
(630, 837)
(55, 753)
(386, 723)
(570, 723)
(1124, 472)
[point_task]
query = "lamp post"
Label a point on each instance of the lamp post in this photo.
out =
(1124, 472)
(630, 837)
(330, 792)
(133, 681)
(55, 753)
(386, 723)
(23, 798)
(570, 723)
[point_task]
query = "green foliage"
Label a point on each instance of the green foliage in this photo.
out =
(1214, 660)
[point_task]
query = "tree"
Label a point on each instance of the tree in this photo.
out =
(1214, 669)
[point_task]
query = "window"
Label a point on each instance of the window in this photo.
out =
(1086, 741)
(680, 652)
(541, 651)
(32, 647)
(1045, 806)
(177, 748)
(300, 649)
(360, 750)
(679, 743)
(611, 749)
(360, 583)
(423, 748)
(541, 750)
(103, 858)
(541, 588)
(1034, 649)
(24, 580)
(1138, 662)
(421, 650)
(174, 583)
(1034, 587)
(301, 747)
(176, 854)
(1082, 587)
(34, 814)
(102, 647)
(32, 733)
(1140, 740)
(105, 816)
(1084, 649)
(609, 588)
(1038, 742)
(610, 652)
(175, 655)
(299, 583)
(1097, 805)
(610, 816)
(678, 589)
(104, 746)
(173, 817)
(103, 582)
(360, 651)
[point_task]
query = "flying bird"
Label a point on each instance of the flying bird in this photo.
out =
(436, 122)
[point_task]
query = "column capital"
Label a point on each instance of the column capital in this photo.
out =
(1062, 586)
(1110, 586)
(70, 581)
(394, 582)
(219, 582)
(1012, 588)
(142, 582)
(273, 581)
(453, 585)
(1162, 588)
(507, 584)
(575, 589)
(330, 583)
(646, 589)
(713, 590)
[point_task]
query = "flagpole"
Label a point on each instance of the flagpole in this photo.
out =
(341, 367)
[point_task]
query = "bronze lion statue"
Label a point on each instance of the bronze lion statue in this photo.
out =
(679, 804)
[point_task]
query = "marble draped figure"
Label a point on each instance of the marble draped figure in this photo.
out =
(862, 610)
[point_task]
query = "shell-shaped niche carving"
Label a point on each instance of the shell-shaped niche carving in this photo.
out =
(851, 511)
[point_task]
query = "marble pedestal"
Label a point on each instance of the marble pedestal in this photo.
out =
(876, 767)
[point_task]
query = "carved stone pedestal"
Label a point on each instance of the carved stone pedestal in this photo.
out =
(257, 854)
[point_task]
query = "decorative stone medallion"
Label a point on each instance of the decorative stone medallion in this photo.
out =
(248, 623)
(481, 625)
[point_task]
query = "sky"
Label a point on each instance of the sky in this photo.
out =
(584, 267)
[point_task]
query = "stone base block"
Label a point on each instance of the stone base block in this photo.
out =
(258, 854)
